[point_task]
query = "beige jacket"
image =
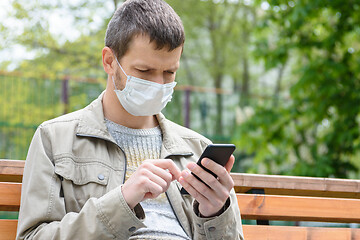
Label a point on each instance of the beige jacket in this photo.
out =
(72, 179)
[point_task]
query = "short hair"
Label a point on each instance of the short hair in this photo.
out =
(154, 18)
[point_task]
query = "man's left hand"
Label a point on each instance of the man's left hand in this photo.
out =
(211, 200)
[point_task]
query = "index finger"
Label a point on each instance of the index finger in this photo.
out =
(228, 166)
(169, 165)
(212, 165)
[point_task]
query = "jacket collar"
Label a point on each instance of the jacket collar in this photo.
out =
(173, 143)
(92, 124)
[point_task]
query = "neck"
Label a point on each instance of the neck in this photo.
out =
(114, 111)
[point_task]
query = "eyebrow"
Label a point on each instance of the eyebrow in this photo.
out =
(144, 66)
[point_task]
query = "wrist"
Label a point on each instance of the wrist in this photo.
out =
(127, 198)
(199, 213)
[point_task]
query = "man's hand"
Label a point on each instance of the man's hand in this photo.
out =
(152, 178)
(211, 200)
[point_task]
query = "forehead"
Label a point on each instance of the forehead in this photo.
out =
(142, 51)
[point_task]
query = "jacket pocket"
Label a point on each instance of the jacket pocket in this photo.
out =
(81, 181)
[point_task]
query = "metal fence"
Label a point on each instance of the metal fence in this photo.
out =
(27, 102)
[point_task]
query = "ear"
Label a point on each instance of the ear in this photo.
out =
(107, 60)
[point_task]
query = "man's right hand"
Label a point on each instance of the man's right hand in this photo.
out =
(152, 178)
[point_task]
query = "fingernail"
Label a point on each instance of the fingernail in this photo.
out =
(205, 162)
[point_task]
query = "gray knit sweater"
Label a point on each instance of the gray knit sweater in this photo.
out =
(139, 145)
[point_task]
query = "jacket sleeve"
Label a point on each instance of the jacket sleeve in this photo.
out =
(43, 212)
(226, 226)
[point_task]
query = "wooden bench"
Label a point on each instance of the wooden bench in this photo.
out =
(260, 197)
(10, 190)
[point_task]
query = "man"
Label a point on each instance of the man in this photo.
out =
(114, 169)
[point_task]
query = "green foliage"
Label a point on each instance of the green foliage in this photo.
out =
(218, 40)
(35, 97)
(57, 55)
(306, 123)
(316, 132)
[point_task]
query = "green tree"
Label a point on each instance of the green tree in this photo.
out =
(217, 50)
(216, 53)
(35, 95)
(57, 52)
(315, 132)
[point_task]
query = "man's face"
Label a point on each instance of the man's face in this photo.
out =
(142, 60)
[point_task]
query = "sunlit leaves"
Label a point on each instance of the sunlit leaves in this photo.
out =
(322, 131)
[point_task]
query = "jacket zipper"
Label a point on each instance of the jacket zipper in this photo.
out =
(177, 217)
(167, 196)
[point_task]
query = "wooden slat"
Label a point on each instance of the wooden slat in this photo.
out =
(8, 229)
(11, 170)
(256, 232)
(299, 186)
(251, 232)
(270, 207)
(10, 194)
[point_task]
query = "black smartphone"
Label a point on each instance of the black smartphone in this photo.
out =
(219, 153)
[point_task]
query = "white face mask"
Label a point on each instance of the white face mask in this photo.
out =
(143, 98)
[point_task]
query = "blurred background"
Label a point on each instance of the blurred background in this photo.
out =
(280, 79)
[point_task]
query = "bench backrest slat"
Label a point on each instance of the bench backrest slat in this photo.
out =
(8, 229)
(11, 170)
(294, 208)
(256, 232)
(297, 186)
(253, 206)
(10, 194)
(251, 232)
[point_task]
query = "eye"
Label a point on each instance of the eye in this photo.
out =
(170, 72)
(143, 70)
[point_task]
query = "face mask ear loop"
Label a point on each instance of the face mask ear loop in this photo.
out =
(120, 68)
(112, 77)
(119, 64)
